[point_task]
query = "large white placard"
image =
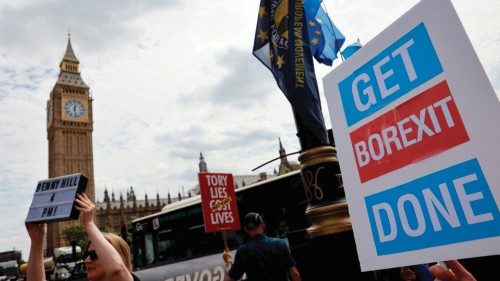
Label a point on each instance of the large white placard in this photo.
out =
(54, 198)
(415, 120)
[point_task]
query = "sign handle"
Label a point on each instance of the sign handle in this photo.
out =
(224, 238)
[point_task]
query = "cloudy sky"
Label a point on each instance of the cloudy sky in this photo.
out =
(170, 79)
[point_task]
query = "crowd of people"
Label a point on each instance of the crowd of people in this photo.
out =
(107, 256)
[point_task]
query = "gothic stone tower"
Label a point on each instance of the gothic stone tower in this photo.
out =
(69, 133)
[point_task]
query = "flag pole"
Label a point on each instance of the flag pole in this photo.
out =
(320, 170)
(224, 239)
(288, 54)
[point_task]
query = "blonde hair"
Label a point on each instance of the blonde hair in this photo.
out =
(121, 247)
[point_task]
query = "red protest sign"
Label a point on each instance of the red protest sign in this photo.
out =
(218, 201)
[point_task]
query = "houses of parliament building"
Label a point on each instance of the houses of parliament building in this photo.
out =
(114, 214)
(69, 134)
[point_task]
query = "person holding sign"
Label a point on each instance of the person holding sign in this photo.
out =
(107, 257)
(262, 258)
(456, 272)
(417, 272)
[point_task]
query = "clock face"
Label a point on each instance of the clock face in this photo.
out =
(74, 108)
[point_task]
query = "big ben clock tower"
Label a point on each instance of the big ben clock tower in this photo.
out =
(69, 133)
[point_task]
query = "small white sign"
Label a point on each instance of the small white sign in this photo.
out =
(156, 224)
(414, 118)
(54, 199)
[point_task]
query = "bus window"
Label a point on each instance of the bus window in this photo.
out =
(166, 245)
(181, 245)
(137, 246)
(202, 243)
(150, 254)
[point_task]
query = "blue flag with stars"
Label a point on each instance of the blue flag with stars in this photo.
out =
(351, 49)
(282, 44)
(324, 37)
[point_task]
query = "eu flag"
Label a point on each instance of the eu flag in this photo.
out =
(281, 43)
(351, 49)
(324, 37)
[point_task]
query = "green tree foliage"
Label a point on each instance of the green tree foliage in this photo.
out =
(75, 235)
(128, 228)
(109, 230)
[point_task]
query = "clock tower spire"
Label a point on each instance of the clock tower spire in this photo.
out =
(69, 133)
(69, 62)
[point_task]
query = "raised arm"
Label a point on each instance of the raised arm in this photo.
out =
(114, 267)
(35, 270)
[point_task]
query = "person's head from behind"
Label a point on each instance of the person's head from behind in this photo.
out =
(253, 224)
(95, 269)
